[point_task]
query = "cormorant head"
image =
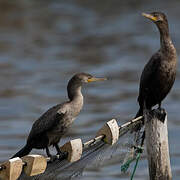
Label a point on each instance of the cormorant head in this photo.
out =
(76, 82)
(86, 78)
(158, 18)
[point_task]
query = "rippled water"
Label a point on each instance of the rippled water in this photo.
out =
(43, 43)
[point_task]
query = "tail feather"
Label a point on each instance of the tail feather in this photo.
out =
(138, 127)
(23, 152)
(139, 113)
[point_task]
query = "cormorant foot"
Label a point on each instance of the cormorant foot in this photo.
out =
(161, 114)
(62, 155)
(52, 159)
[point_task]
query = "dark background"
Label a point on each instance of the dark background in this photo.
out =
(44, 42)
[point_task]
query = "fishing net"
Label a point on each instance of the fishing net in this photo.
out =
(98, 153)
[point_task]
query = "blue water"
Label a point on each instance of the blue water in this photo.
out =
(43, 43)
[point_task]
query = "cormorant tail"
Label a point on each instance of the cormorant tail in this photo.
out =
(23, 152)
(139, 113)
(138, 126)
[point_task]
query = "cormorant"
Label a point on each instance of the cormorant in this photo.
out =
(159, 73)
(54, 123)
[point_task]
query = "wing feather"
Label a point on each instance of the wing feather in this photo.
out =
(47, 121)
(148, 77)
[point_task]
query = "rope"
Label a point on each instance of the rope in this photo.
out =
(126, 165)
(139, 150)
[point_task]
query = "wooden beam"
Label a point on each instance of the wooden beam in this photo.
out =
(157, 145)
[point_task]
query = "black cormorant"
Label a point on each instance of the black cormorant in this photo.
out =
(159, 73)
(55, 122)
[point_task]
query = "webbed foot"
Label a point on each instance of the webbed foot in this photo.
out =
(52, 158)
(61, 155)
(161, 114)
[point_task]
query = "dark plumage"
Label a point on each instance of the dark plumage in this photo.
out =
(159, 73)
(55, 122)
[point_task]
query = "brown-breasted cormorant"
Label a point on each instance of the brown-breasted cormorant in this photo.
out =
(55, 122)
(159, 73)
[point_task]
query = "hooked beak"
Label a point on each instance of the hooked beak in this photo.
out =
(149, 16)
(93, 79)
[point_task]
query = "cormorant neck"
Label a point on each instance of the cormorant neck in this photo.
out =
(74, 90)
(165, 39)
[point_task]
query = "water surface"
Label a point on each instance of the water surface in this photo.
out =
(43, 43)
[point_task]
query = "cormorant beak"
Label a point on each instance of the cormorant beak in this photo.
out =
(93, 79)
(150, 16)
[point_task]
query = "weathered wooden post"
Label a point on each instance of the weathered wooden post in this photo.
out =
(157, 145)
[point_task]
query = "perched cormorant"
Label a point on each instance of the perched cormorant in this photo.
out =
(55, 122)
(159, 73)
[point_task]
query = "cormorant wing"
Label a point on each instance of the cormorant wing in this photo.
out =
(48, 120)
(148, 76)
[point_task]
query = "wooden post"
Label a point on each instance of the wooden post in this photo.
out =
(157, 145)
